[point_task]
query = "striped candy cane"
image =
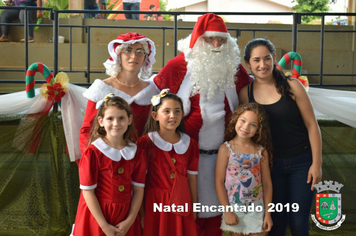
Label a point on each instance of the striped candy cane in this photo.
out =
(30, 77)
(297, 63)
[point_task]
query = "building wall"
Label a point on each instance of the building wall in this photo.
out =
(235, 6)
(250, 6)
(174, 4)
(199, 7)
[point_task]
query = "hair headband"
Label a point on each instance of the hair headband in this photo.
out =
(105, 99)
(156, 99)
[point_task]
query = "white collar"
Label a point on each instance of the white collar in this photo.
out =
(114, 154)
(99, 89)
(180, 148)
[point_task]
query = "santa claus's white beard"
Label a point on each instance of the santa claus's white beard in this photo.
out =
(212, 69)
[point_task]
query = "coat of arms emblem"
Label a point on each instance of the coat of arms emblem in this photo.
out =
(328, 205)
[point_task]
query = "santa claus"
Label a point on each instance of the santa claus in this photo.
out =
(207, 76)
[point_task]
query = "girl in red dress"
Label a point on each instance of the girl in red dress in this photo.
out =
(165, 135)
(112, 174)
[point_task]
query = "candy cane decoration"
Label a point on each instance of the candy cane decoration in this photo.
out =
(297, 63)
(297, 67)
(30, 77)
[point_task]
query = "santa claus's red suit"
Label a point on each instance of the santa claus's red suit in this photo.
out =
(207, 106)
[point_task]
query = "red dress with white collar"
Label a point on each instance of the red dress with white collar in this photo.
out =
(159, 183)
(111, 173)
(205, 121)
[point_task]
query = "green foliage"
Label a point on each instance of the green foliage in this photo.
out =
(311, 6)
(1, 4)
(163, 7)
(56, 5)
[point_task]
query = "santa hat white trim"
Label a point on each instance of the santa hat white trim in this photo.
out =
(216, 34)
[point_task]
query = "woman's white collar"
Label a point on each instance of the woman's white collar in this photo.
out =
(180, 148)
(99, 89)
(114, 154)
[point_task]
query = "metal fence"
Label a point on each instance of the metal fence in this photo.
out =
(54, 16)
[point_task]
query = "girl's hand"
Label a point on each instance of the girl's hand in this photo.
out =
(123, 226)
(231, 218)
(110, 230)
(267, 223)
(315, 173)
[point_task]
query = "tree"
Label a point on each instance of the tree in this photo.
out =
(56, 5)
(163, 7)
(311, 6)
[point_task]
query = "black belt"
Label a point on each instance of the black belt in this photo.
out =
(208, 152)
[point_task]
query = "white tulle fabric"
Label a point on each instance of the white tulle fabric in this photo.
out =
(337, 104)
(73, 105)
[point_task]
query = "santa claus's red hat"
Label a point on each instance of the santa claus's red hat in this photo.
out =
(208, 25)
(129, 39)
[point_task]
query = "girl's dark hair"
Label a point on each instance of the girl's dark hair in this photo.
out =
(120, 103)
(282, 85)
(153, 125)
(263, 133)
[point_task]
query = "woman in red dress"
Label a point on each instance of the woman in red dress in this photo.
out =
(132, 56)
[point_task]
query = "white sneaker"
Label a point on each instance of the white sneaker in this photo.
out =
(30, 40)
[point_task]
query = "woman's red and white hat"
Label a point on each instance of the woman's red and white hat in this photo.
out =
(130, 38)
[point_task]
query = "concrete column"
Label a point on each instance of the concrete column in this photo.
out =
(76, 4)
(76, 19)
(351, 9)
(351, 21)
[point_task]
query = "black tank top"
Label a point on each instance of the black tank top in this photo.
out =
(289, 134)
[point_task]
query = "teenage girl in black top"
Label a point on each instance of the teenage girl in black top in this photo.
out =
(295, 135)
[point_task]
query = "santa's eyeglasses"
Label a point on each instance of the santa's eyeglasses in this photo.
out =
(212, 39)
